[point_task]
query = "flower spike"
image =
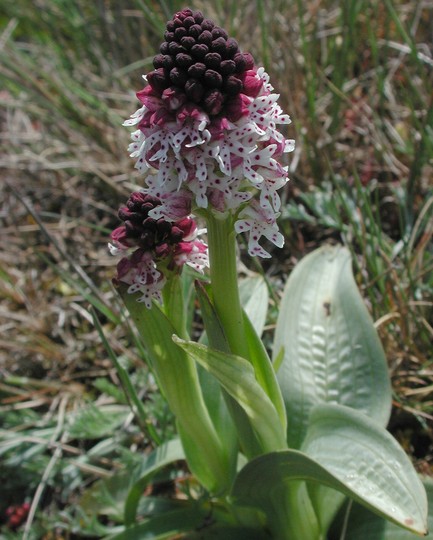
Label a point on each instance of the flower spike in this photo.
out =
(152, 246)
(208, 131)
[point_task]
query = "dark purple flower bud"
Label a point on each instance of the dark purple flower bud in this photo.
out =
(183, 60)
(188, 21)
(213, 79)
(195, 31)
(232, 85)
(213, 60)
(199, 50)
(194, 90)
(213, 102)
(175, 48)
(164, 48)
(178, 76)
(158, 61)
(176, 234)
(219, 32)
(177, 22)
(168, 36)
(170, 26)
(180, 32)
(207, 24)
(186, 12)
(187, 42)
(241, 64)
(219, 46)
(163, 227)
(149, 223)
(227, 67)
(157, 80)
(205, 37)
(232, 47)
(197, 70)
(163, 61)
(198, 16)
(248, 57)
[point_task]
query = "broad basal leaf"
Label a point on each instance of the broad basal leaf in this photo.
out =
(363, 524)
(331, 349)
(368, 462)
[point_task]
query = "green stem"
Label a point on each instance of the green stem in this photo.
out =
(174, 306)
(224, 281)
(292, 516)
(227, 304)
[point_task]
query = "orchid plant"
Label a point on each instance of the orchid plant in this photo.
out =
(276, 447)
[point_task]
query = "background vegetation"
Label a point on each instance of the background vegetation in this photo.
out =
(357, 79)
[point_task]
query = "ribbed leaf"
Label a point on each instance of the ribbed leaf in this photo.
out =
(368, 462)
(332, 352)
(363, 524)
(265, 483)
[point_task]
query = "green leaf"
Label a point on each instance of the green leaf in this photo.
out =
(237, 376)
(228, 532)
(254, 296)
(177, 378)
(363, 524)
(192, 520)
(264, 370)
(161, 457)
(271, 482)
(331, 349)
(368, 465)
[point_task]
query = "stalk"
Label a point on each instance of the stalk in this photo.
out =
(224, 281)
(293, 516)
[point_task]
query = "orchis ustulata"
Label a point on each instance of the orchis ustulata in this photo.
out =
(207, 139)
(259, 436)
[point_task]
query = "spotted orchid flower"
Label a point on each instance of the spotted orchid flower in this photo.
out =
(208, 131)
(153, 247)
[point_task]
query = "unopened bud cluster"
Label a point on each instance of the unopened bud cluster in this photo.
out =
(150, 245)
(199, 63)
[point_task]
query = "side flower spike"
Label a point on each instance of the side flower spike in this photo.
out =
(151, 248)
